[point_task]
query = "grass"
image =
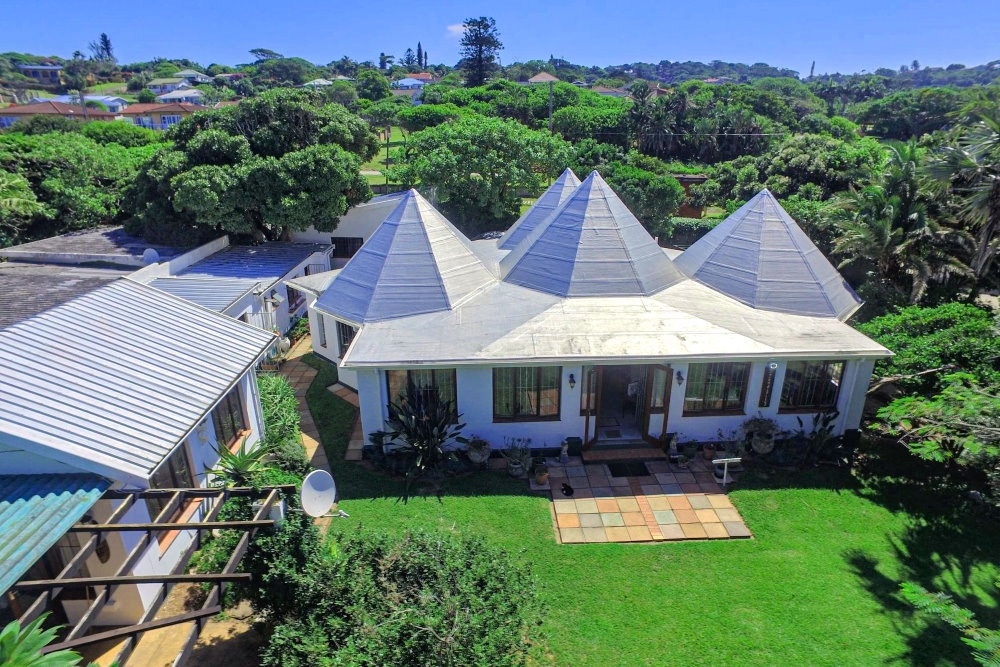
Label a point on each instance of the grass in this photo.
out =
(378, 162)
(817, 586)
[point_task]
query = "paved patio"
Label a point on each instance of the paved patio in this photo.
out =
(667, 505)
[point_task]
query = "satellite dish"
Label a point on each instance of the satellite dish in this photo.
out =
(319, 492)
(150, 256)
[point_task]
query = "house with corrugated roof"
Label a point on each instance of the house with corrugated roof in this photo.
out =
(182, 96)
(159, 116)
(577, 324)
(10, 115)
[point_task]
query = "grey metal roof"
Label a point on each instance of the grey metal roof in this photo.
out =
(761, 257)
(266, 263)
(591, 245)
(35, 511)
(415, 262)
(111, 381)
(215, 293)
(100, 244)
(27, 289)
(550, 200)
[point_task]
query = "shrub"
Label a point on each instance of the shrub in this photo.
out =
(121, 133)
(685, 231)
(281, 424)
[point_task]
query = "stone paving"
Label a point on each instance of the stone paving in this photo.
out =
(667, 505)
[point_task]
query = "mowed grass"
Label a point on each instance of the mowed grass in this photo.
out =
(817, 586)
(379, 162)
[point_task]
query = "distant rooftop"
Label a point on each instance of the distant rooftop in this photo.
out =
(266, 263)
(112, 245)
(29, 289)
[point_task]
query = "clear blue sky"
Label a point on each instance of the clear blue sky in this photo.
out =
(846, 36)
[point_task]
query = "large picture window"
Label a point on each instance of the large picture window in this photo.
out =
(422, 388)
(811, 385)
(228, 419)
(716, 388)
(526, 394)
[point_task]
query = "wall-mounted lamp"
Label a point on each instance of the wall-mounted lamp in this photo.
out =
(773, 365)
(572, 381)
(680, 378)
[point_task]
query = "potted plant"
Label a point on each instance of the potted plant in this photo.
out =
(682, 461)
(708, 451)
(517, 451)
(478, 450)
(541, 471)
(761, 432)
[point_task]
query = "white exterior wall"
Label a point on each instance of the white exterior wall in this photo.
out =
(330, 351)
(360, 222)
(283, 317)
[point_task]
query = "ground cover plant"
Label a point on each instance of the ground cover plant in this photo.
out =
(818, 584)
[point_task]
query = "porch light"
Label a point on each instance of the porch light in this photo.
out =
(680, 378)
(572, 381)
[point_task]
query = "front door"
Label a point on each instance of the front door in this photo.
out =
(658, 386)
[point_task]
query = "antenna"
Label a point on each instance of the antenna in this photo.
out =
(318, 494)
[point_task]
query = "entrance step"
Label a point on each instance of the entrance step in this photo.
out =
(631, 454)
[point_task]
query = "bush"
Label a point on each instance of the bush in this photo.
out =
(119, 132)
(282, 434)
(685, 231)
(423, 599)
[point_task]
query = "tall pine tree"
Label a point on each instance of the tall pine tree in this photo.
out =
(420, 56)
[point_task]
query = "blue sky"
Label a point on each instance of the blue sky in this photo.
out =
(846, 36)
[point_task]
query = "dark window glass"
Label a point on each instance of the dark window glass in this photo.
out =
(811, 385)
(526, 394)
(718, 387)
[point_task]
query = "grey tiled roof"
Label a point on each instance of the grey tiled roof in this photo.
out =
(28, 289)
(109, 244)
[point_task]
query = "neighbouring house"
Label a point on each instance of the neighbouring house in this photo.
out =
(409, 83)
(543, 77)
(412, 93)
(317, 83)
(113, 103)
(10, 115)
(610, 92)
(50, 74)
(182, 96)
(121, 387)
(166, 84)
(192, 76)
(230, 76)
(355, 227)
(158, 116)
(426, 77)
(586, 328)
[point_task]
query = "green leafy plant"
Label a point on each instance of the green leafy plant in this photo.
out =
(242, 467)
(21, 647)
(985, 642)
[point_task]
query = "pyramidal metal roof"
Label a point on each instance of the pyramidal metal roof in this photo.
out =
(761, 257)
(550, 200)
(415, 262)
(591, 245)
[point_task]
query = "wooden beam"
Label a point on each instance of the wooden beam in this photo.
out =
(195, 492)
(182, 525)
(130, 579)
(132, 630)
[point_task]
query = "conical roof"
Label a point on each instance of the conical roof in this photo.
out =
(547, 204)
(591, 245)
(760, 256)
(415, 262)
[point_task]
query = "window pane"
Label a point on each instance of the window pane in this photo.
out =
(659, 388)
(548, 395)
(503, 392)
(396, 385)
(811, 385)
(716, 387)
(444, 380)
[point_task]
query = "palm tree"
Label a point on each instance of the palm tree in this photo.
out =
(970, 167)
(16, 196)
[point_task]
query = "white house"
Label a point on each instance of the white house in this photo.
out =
(586, 328)
(128, 387)
(354, 228)
(182, 95)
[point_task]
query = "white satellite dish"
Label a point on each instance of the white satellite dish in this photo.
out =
(319, 492)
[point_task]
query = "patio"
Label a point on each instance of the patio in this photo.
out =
(664, 505)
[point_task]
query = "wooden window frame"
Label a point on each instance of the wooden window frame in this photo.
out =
(342, 344)
(812, 407)
(216, 416)
(715, 412)
(295, 298)
(321, 330)
(410, 385)
(535, 417)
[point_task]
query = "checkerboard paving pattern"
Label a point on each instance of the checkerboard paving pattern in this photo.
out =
(667, 505)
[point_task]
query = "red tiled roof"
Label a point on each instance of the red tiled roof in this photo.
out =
(53, 109)
(139, 109)
(422, 76)
(542, 77)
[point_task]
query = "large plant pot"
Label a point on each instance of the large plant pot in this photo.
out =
(515, 468)
(762, 444)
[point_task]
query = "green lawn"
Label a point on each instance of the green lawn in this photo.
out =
(817, 586)
(379, 161)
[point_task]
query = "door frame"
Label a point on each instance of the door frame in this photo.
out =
(648, 410)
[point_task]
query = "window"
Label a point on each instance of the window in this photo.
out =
(811, 385)
(526, 394)
(295, 299)
(423, 388)
(173, 473)
(716, 388)
(345, 335)
(344, 247)
(661, 376)
(166, 121)
(321, 329)
(227, 417)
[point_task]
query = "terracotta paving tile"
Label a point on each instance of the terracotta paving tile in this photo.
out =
(557, 472)
(569, 520)
(686, 516)
(720, 501)
(736, 529)
(597, 478)
(684, 478)
(699, 502)
(706, 516)
(617, 534)
(602, 491)
(639, 533)
(612, 519)
(633, 519)
(678, 503)
(607, 505)
(594, 535)
(586, 506)
(564, 506)
(715, 531)
(660, 502)
(590, 521)
(671, 488)
(728, 515)
(664, 516)
(629, 504)
(572, 535)
(672, 532)
(690, 488)
(694, 531)
(704, 477)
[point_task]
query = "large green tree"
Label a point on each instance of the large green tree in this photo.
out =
(479, 166)
(272, 164)
(480, 46)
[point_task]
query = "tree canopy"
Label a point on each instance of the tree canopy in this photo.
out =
(480, 46)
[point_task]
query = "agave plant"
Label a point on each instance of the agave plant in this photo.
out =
(242, 467)
(21, 647)
(424, 426)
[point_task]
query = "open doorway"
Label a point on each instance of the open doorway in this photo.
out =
(622, 394)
